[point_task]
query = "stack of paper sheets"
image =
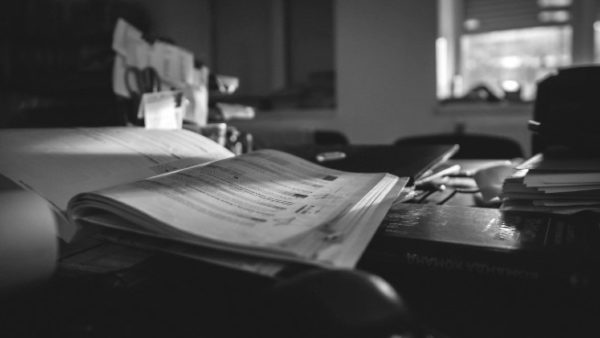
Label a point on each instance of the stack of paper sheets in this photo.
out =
(555, 183)
(179, 192)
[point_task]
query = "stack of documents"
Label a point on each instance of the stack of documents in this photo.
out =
(554, 183)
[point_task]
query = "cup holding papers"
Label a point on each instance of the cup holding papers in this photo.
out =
(163, 110)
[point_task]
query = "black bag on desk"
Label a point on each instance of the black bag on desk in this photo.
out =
(566, 110)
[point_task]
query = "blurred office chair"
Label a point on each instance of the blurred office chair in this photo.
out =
(566, 109)
(472, 146)
(325, 137)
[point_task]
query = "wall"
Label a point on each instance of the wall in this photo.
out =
(386, 68)
(249, 42)
(243, 45)
(311, 46)
(385, 65)
(386, 79)
(185, 21)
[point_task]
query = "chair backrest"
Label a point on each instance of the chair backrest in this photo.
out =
(567, 106)
(472, 146)
(330, 138)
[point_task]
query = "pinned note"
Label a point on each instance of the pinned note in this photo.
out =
(163, 110)
(124, 36)
(173, 64)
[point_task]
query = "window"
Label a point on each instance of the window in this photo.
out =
(597, 36)
(512, 61)
(502, 48)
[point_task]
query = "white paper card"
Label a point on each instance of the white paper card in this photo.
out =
(161, 111)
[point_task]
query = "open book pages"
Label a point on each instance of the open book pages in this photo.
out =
(58, 163)
(265, 204)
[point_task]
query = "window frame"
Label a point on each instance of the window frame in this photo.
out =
(450, 20)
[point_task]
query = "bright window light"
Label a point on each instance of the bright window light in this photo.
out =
(554, 3)
(443, 73)
(561, 16)
(523, 55)
(510, 86)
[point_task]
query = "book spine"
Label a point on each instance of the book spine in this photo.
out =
(468, 266)
(464, 263)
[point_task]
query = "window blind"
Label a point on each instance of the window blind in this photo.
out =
(491, 15)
